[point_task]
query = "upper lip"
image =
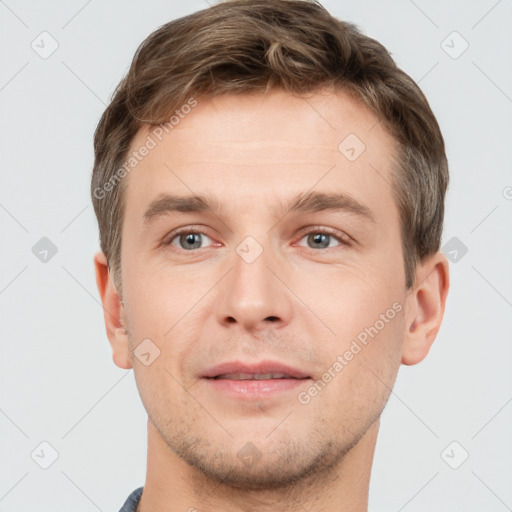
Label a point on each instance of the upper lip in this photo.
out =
(256, 368)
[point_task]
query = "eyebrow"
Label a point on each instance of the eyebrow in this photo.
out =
(302, 203)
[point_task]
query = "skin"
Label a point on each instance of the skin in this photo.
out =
(299, 303)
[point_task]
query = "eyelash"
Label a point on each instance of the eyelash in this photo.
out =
(342, 238)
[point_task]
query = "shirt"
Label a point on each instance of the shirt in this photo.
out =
(132, 501)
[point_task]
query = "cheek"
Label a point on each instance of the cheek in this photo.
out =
(362, 364)
(365, 310)
(170, 307)
(160, 296)
(351, 299)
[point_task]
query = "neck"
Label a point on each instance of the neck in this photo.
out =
(173, 485)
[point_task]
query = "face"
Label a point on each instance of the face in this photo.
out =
(275, 306)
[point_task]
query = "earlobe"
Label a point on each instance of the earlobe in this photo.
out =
(113, 313)
(425, 308)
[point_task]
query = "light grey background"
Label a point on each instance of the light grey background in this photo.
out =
(57, 380)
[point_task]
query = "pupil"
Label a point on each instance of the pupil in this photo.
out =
(321, 238)
(192, 239)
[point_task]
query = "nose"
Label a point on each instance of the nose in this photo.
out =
(254, 294)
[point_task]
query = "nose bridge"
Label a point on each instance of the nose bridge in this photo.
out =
(253, 296)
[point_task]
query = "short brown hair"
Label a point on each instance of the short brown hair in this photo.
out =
(242, 46)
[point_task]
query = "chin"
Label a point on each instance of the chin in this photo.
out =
(275, 467)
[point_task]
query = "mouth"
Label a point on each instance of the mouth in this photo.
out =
(253, 381)
(262, 370)
(256, 376)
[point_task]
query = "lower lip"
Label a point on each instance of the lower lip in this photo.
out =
(255, 389)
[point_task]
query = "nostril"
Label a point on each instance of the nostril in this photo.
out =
(272, 318)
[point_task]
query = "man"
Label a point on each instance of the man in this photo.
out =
(269, 188)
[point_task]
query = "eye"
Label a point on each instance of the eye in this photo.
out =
(317, 238)
(187, 240)
(324, 239)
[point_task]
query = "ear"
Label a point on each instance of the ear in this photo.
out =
(425, 308)
(113, 313)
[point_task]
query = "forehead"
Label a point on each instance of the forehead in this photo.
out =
(274, 145)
